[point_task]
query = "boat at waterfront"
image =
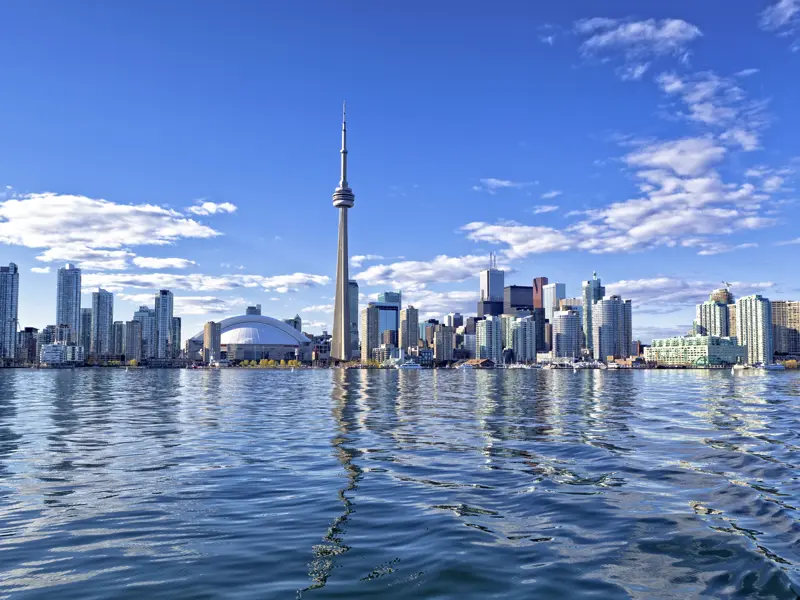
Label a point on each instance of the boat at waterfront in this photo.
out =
(772, 367)
(408, 365)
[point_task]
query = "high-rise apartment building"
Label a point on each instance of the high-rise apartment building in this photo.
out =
(102, 323)
(454, 320)
(732, 319)
(26, 345)
(9, 307)
(524, 340)
(754, 328)
(506, 329)
(212, 333)
(133, 341)
(566, 334)
(592, 290)
(295, 322)
(253, 310)
(722, 295)
(517, 299)
(118, 338)
(552, 295)
(352, 289)
(164, 306)
(443, 343)
(68, 299)
(712, 319)
(85, 332)
(176, 337)
(786, 326)
(489, 339)
(370, 330)
(611, 328)
(409, 328)
(147, 317)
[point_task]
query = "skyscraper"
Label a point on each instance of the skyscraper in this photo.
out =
(370, 334)
(592, 291)
(343, 199)
(352, 287)
(786, 326)
(454, 320)
(712, 319)
(253, 310)
(163, 314)
(102, 323)
(211, 341)
(538, 291)
(566, 333)
(85, 338)
(489, 339)
(395, 298)
(147, 317)
(492, 281)
(68, 299)
(176, 337)
(443, 343)
(118, 339)
(524, 340)
(9, 306)
(754, 328)
(517, 298)
(409, 328)
(611, 328)
(553, 293)
(723, 295)
(132, 349)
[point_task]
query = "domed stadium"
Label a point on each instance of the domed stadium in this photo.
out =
(253, 337)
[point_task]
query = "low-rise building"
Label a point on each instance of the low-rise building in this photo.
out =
(695, 351)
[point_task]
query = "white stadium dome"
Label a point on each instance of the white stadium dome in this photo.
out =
(257, 330)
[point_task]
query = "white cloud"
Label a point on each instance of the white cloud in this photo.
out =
(212, 208)
(94, 233)
(358, 259)
(687, 156)
(197, 282)
(551, 194)
(191, 305)
(747, 72)
(319, 308)
(550, 40)
(651, 37)
(633, 72)
(162, 263)
(491, 185)
(788, 242)
(675, 292)
(521, 240)
(436, 304)
(316, 326)
(544, 208)
(412, 275)
(41, 270)
(783, 17)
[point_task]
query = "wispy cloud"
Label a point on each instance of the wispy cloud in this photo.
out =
(783, 18)
(492, 185)
(551, 194)
(197, 282)
(544, 208)
(359, 259)
(211, 208)
(41, 270)
(319, 308)
(145, 262)
(747, 72)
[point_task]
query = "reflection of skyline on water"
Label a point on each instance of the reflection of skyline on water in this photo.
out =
(400, 483)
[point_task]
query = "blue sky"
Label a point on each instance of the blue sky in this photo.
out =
(194, 146)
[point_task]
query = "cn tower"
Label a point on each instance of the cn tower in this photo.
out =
(343, 199)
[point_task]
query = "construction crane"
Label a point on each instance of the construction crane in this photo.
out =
(726, 284)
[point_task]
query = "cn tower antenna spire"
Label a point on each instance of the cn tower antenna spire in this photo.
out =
(343, 182)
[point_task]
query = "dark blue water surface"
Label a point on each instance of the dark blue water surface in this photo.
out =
(431, 484)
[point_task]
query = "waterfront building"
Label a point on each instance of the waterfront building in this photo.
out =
(754, 328)
(75, 354)
(295, 322)
(26, 345)
(62, 334)
(575, 304)
(343, 199)
(118, 338)
(176, 336)
(370, 332)
(46, 336)
(553, 294)
(732, 319)
(68, 299)
(132, 349)
(102, 323)
(53, 354)
(253, 310)
(786, 327)
(524, 340)
(611, 328)
(592, 290)
(695, 351)
(409, 328)
(211, 342)
(147, 317)
(547, 346)
(443, 343)
(517, 298)
(9, 308)
(352, 290)
(470, 340)
(506, 328)
(712, 319)
(538, 291)
(85, 333)
(489, 339)
(566, 334)
(163, 314)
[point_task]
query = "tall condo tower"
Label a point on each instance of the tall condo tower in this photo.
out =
(343, 199)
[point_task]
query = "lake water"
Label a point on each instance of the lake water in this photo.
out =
(433, 484)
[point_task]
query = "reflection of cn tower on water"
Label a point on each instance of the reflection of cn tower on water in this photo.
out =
(343, 199)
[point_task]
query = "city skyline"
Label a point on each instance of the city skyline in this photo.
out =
(660, 149)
